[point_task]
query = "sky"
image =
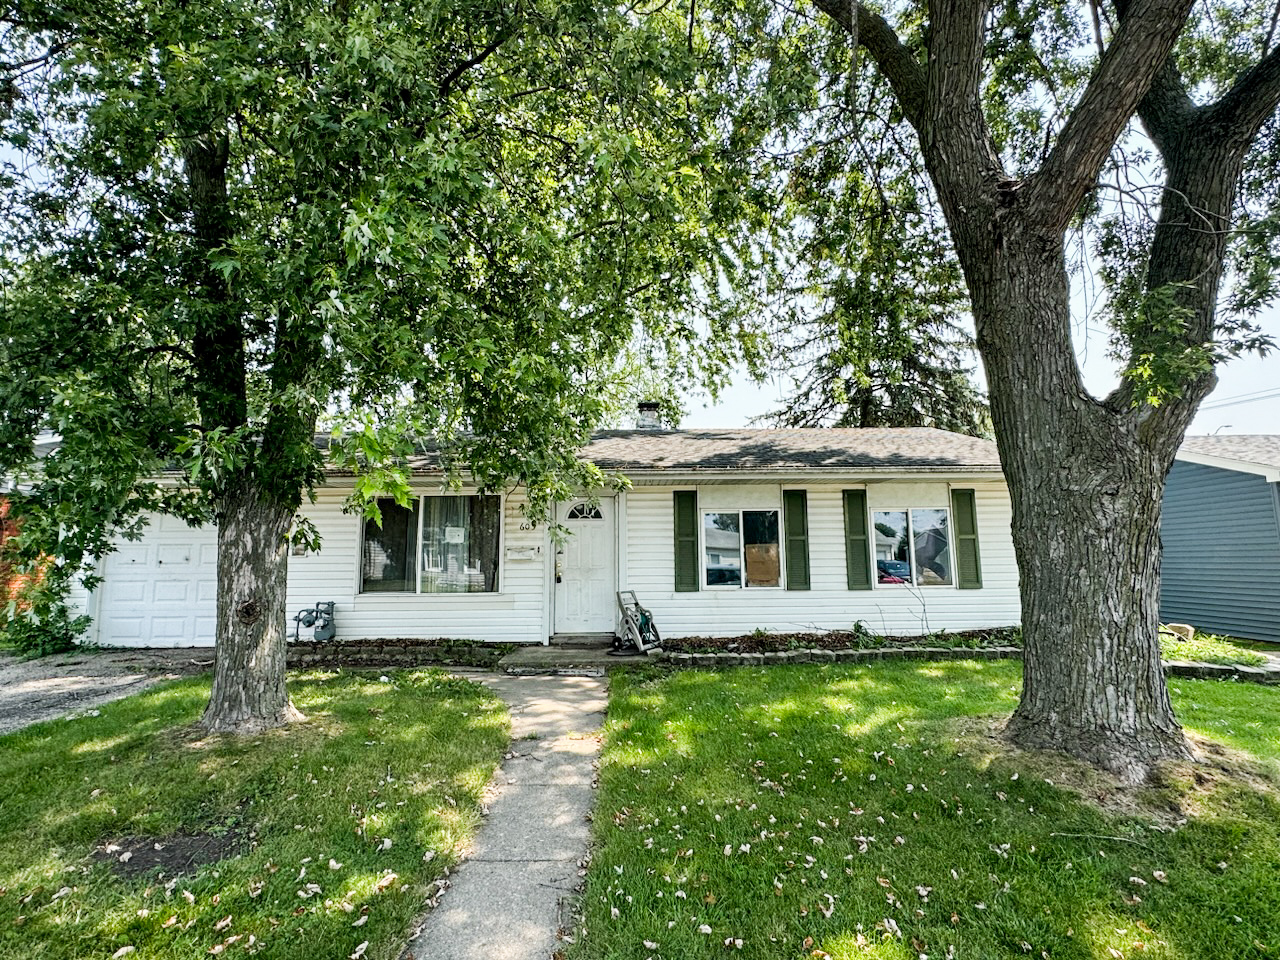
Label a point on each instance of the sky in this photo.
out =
(1246, 400)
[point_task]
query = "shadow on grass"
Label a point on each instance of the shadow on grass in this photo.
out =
(378, 776)
(835, 805)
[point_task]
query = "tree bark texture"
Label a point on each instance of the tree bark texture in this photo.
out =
(249, 693)
(1085, 476)
(1086, 483)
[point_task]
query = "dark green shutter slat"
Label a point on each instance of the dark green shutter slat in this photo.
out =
(795, 521)
(857, 549)
(965, 522)
(686, 537)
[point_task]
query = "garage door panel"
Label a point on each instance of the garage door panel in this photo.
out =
(122, 630)
(174, 555)
(160, 590)
(174, 591)
(171, 629)
(128, 555)
(126, 591)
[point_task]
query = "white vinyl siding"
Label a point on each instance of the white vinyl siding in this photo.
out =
(828, 604)
(517, 613)
(520, 612)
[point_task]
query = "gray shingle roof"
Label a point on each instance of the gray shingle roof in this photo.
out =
(907, 448)
(1259, 448)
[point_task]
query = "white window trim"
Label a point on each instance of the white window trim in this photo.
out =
(911, 544)
(742, 549)
(397, 596)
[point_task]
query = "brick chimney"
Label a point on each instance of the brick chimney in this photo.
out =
(647, 415)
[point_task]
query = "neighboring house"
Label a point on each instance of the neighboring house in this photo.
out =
(720, 533)
(1221, 535)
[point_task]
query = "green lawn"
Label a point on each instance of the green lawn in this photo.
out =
(311, 808)
(1211, 648)
(824, 810)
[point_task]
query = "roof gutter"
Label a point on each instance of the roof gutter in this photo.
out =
(1265, 470)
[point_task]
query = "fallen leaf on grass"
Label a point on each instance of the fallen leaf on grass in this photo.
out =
(360, 951)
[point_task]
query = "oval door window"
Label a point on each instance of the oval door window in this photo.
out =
(584, 511)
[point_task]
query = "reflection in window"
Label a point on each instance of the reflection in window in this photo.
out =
(387, 564)
(760, 546)
(912, 547)
(741, 542)
(584, 511)
(459, 539)
(722, 547)
(931, 545)
(460, 544)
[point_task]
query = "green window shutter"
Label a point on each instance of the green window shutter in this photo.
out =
(857, 548)
(686, 516)
(965, 524)
(795, 523)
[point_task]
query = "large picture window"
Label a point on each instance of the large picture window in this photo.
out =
(740, 549)
(435, 545)
(912, 547)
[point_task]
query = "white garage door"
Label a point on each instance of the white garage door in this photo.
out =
(161, 591)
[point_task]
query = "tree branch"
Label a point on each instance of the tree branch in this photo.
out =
(454, 75)
(1147, 33)
(957, 144)
(1167, 108)
(895, 61)
(1242, 110)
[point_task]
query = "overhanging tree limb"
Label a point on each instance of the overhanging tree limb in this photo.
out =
(895, 60)
(1243, 109)
(1137, 52)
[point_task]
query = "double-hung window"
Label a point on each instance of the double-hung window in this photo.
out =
(436, 544)
(912, 547)
(740, 548)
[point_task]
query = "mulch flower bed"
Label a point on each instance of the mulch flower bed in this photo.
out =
(844, 640)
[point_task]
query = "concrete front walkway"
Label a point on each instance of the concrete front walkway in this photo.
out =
(504, 899)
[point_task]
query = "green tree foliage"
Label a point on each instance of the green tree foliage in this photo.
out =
(233, 222)
(872, 297)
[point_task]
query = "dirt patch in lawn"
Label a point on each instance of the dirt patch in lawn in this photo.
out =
(171, 856)
(1175, 791)
(48, 687)
(844, 640)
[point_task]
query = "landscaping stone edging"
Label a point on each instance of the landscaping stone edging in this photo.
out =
(407, 653)
(391, 653)
(1178, 668)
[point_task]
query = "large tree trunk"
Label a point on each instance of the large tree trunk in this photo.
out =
(249, 693)
(1086, 476)
(1086, 528)
(1086, 480)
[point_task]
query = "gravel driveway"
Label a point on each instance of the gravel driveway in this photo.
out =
(42, 689)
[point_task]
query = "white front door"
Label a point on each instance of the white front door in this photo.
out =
(585, 569)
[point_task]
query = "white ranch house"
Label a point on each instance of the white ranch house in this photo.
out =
(720, 533)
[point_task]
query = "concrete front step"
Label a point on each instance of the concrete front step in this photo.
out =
(563, 661)
(583, 641)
